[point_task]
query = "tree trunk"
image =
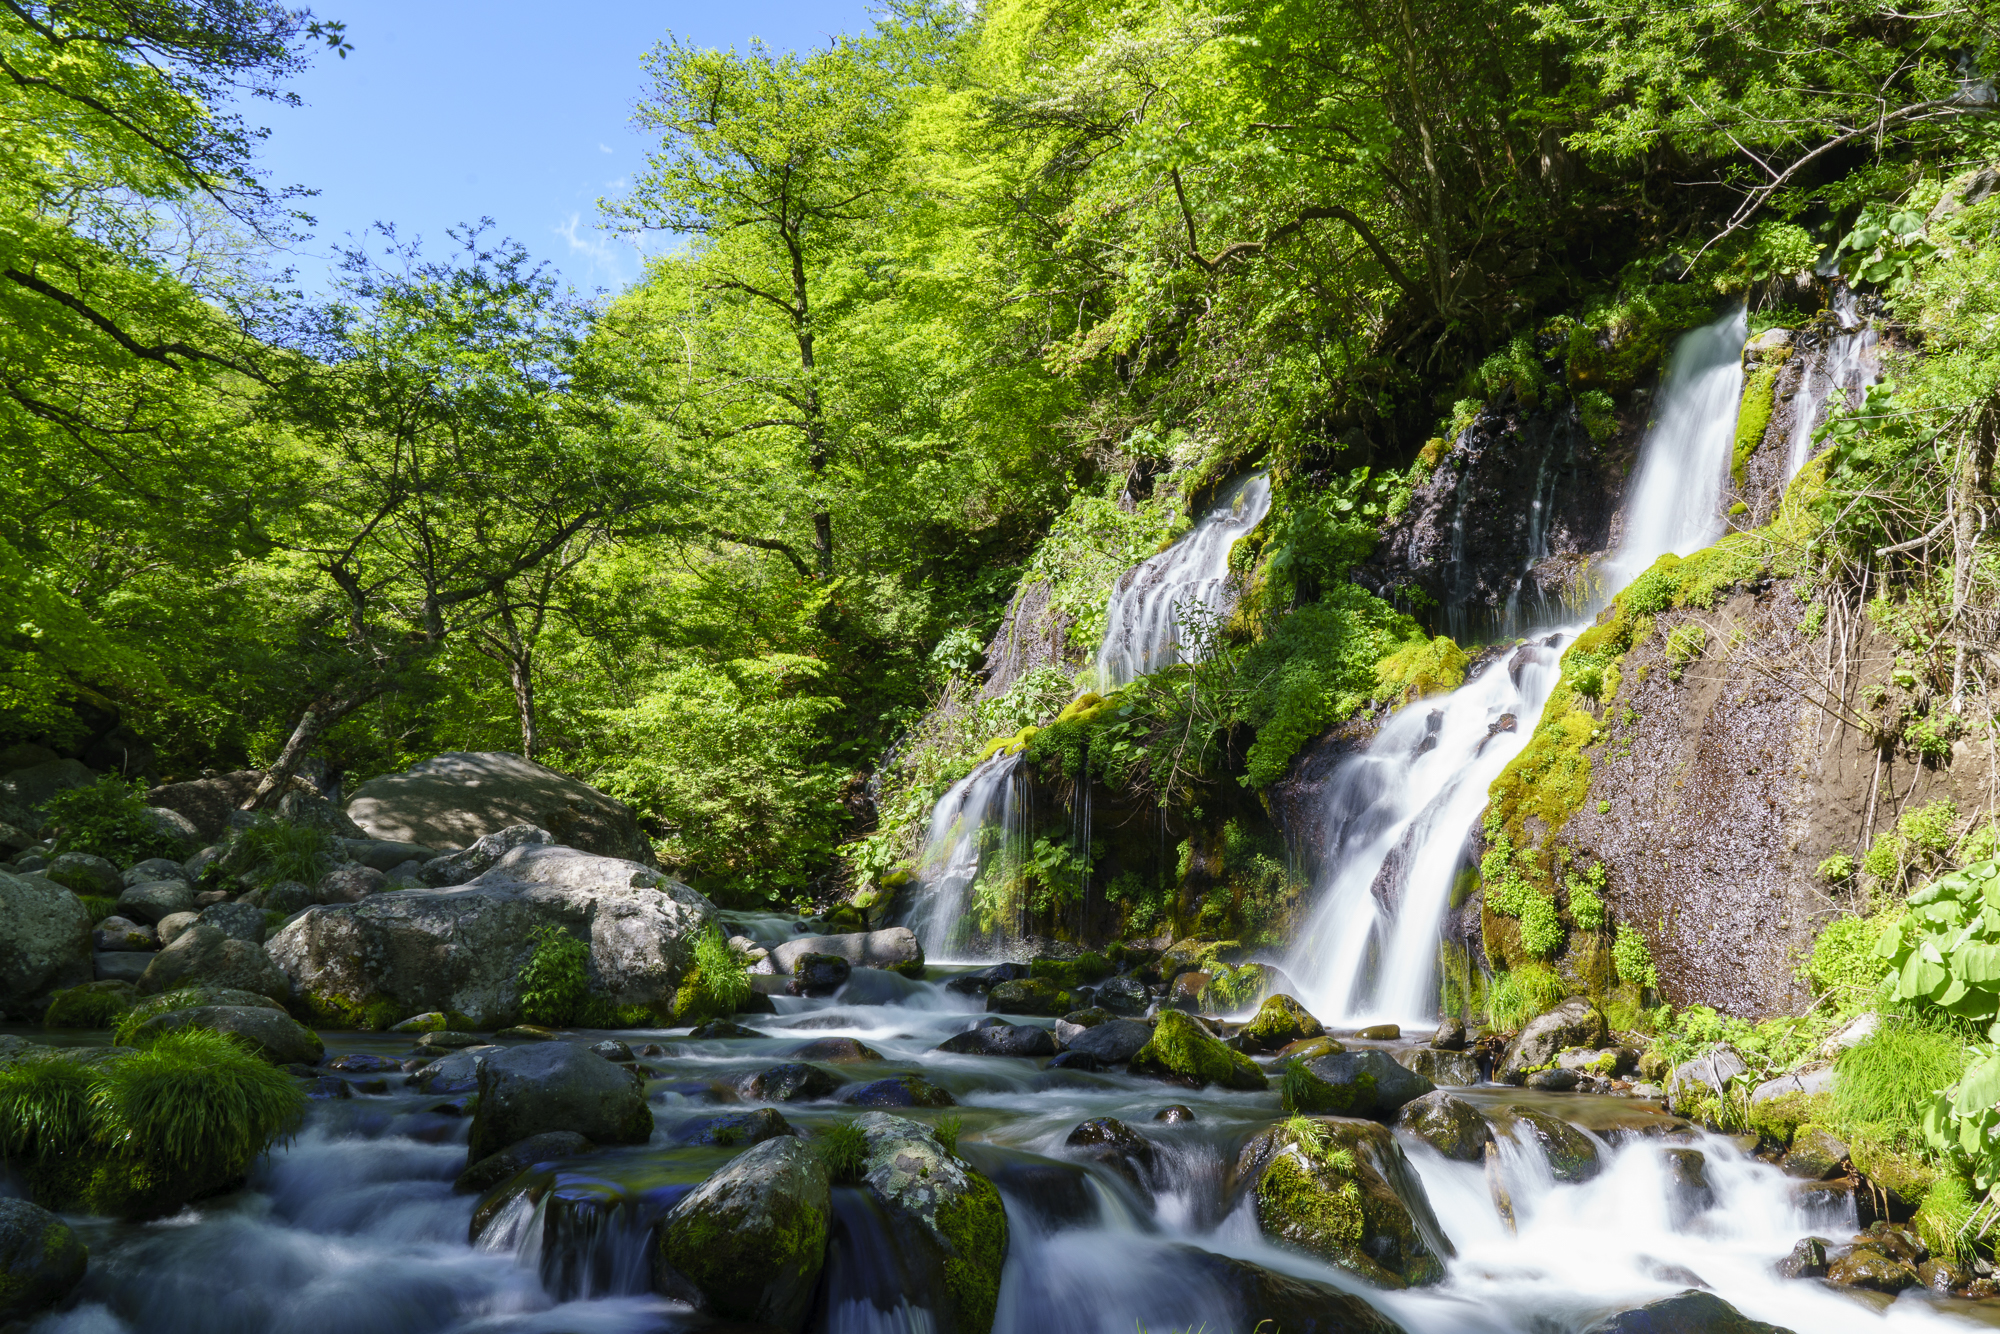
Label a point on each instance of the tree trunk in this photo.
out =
(321, 714)
(521, 671)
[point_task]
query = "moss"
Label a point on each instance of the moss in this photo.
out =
(1081, 971)
(1887, 1164)
(1753, 418)
(1303, 1093)
(727, 1261)
(974, 1227)
(1944, 1217)
(371, 1016)
(1324, 1218)
(1419, 668)
(1778, 1119)
(1181, 1050)
(81, 1007)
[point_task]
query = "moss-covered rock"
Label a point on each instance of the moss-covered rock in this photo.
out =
(1688, 1311)
(1068, 974)
(1574, 1023)
(1450, 1125)
(1031, 996)
(1279, 1022)
(272, 1034)
(751, 1238)
(1816, 1154)
(1182, 1052)
(93, 1005)
(41, 1259)
(944, 1213)
(1324, 1186)
(1570, 1154)
(1351, 1083)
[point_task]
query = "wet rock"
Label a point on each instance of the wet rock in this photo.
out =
(1553, 1081)
(122, 934)
(203, 956)
(1709, 1074)
(1450, 1035)
(1335, 1194)
(1574, 1023)
(1867, 1267)
(1028, 995)
(41, 1259)
(1807, 1260)
(456, 868)
(446, 1039)
(238, 921)
(272, 1034)
(752, 1238)
(1895, 1242)
(123, 966)
(151, 901)
(362, 1063)
(1115, 1042)
(1940, 1277)
(525, 1091)
(1380, 1033)
(458, 797)
(1571, 1155)
(1003, 1040)
(1076, 1060)
(947, 1217)
(82, 873)
(792, 1082)
(1311, 1047)
(1446, 1069)
(1174, 1114)
(1815, 1155)
(611, 1049)
(836, 1051)
(1107, 1140)
(1688, 1191)
(732, 1128)
(1279, 1022)
(1265, 1299)
(497, 1169)
(329, 1088)
(435, 1021)
(898, 1091)
(1450, 1125)
(1123, 995)
(818, 974)
(1604, 1063)
(716, 1029)
(981, 980)
(1687, 1313)
(895, 948)
(44, 939)
(1352, 1083)
(1181, 1051)
(1827, 1198)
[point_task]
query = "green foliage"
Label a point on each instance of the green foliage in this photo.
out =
(107, 818)
(1836, 868)
(47, 1107)
(1599, 414)
(1088, 547)
(555, 984)
(80, 1007)
(1586, 902)
(1685, 643)
(1521, 993)
(126, 1034)
(1632, 958)
(1844, 963)
(275, 850)
(725, 974)
(194, 1102)
(1945, 1219)
(843, 1147)
(947, 1130)
(1945, 951)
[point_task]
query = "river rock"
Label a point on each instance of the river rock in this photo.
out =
(44, 939)
(83, 873)
(203, 956)
(41, 1259)
(456, 868)
(1815, 1155)
(981, 980)
(1705, 1074)
(898, 1091)
(173, 925)
(349, 882)
(1352, 1083)
(1450, 1125)
(1279, 1021)
(1107, 1140)
(462, 950)
(1267, 1300)
(1347, 1195)
(453, 1074)
(152, 902)
(273, 1034)
(1807, 1260)
(1691, 1312)
(497, 1169)
(1450, 1035)
(171, 829)
(894, 948)
(792, 1082)
(752, 1238)
(525, 1091)
(1446, 1069)
(947, 1218)
(238, 921)
(1940, 1277)
(1688, 1191)
(1029, 995)
(152, 869)
(386, 855)
(1570, 1154)
(1574, 1023)
(119, 933)
(1113, 1043)
(1818, 1079)
(732, 1128)
(1181, 1051)
(207, 803)
(818, 974)
(122, 966)
(1003, 1040)
(1553, 1081)
(838, 1051)
(451, 801)
(1870, 1268)
(1123, 995)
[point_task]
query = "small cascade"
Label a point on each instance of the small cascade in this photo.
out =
(983, 815)
(1150, 603)
(1845, 369)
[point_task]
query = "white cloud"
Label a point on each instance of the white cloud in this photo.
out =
(604, 148)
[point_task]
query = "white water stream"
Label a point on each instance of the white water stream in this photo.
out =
(1847, 368)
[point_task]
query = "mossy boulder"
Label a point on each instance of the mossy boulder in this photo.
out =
(752, 1238)
(1450, 1125)
(1029, 995)
(1778, 1119)
(41, 1259)
(44, 939)
(92, 1005)
(1571, 1155)
(1574, 1023)
(1341, 1190)
(1816, 1154)
(525, 1091)
(1082, 971)
(272, 1034)
(1181, 1051)
(1351, 1083)
(904, 1090)
(204, 956)
(945, 1215)
(1279, 1022)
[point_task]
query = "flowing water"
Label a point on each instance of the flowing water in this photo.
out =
(981, 821)
(1841, 374)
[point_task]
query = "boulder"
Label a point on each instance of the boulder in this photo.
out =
(155, 868)
(895, 948)
(1107, 1140)
(1553, 1081)
(1028, 995)
(1278, 1023)
(121, 933)
(1123, 995)
(739, 1129)
(384, 855)
(1689, 1193)
(791, 1082)
(1691, 1312)
(1815, 1155)
(1574, 1023)
(1450, 1035)
(273, 1034)
(44, 940)
(1282, 1303)
(23, 791)
(154, 901)
(349, 882)
(946, 1217)
(818, 974)
(1704, 1075)
(41, 1260)
(1871, 1268)
(752, 1238)
(1352, 1083)
(1818, 1079)
(171, 828)
(462, 949)
(1807, 1260)
(455, 868)
(120, 967)
(546, 1086)
(1182, 1052)
(456, 1073)
(173, 924)
(1450, 1125)
(309, 810)
(1113, 1043)
(203, 956)
(451, 801)
(238, 921)
(1003, 1040)
(207, 803)
(839, 1051)
(497, 1169)
(287, 897)
(14, 839)
(981, 980)
(1571, 1156)
(897, 1091)
(83, 873)
(1344, 1192)
(1446, 1069)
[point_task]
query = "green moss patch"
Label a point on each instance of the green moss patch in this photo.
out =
(1753, 418)
(974, 1226)
(1182, 1051)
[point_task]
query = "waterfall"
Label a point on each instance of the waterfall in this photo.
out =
(983, 815)
(1403, 812)
(1846, 368)
(1148, 606)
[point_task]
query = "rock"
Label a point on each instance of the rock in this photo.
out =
(818, 974)
(1602, 1064)
(1570, 1154)
(497, 1169)
(1004, 1040)
(24, 755)
(444, 1039)
(524, 1091)
(171, 828)
(457, 868)
(1450, 1125)
(898, 1091)
(1940, 1277)
(275, 1035)
(238, 921)
(152, 869)
(1174, 1114)
(1553, 1081)
(732, 1128)
(1807, 1260)
(82, 873)
(721, 1028)
(1688, 1191)
(947, 1218)
(361, 1063)
(1690, 1312)
(329, 1088)
(792, 1082)
(41, 1259)
(461, 950)
(1851, 1036)
(1815, 1155)
(611, 1049)
(1352, 1083)
(895, 948)
(44, 940)
(1279, 1022)
(207, 803)
(1380, 1033)
(752, 1238)
(436, 1021)
(156, 900)
(1819, 1079)
(203, 956)
(1076, 1022)
(1867, 1267)
(1076, 1060)
(1123, 995)
(981, 980)
(1446, 1069)
(1181, 1051)
(349, 882)
(1029, 996)
(386, 855)
(121, 967)
(1186, 990)
(456, 1073)
(173, 924)
(287, 897)
(14, 840)
(23, 791)
(1281, 1303)
(1574, 1023)
(1450, 1035)
(1705, 1074)
(1107, 1140)
(835, 1051)
(1335, 1195)
(117, 933)
(455, 799)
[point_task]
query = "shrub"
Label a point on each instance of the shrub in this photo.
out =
(1943, 1219)
(108, 819)
(1541, 928)
(126, 1033)
(844, 1150)
(1599, 414)
(1519, 994)
(45, 1108)
(1837, 868)
(724, 972)
(555, 984)
(1844, 962)
(196, 1102)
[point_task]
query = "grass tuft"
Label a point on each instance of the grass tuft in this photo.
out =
(195, 1101)
(46, 1108)
(844, 1150)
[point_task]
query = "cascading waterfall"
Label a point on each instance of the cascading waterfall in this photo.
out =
(1402, 811)
(1846, 368)
(982, 817)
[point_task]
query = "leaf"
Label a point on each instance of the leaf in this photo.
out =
(1979, 1089)
(1978, 965)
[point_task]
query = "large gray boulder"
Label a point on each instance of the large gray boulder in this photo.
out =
(1114, 1042)
(381, 854)
(155, 901)
(462, 949)
(946, 1215)
(203, 956)
(206, 803)
(23, 791)
(458, 867)
(44, 939)
(1574, 1023)
(451, 801)
(547, 1086)
(751, 1239)
(41, 1259)
(895, 948)
(1353, 1083)
(85, 873)
(239, 921)
(172, 828)
(273, 1034)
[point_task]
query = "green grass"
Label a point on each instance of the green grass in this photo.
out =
(195, 1101)
(1887, 1080)
(844, 1150)
(947, 1130)
(1519, 994)
(46, 1108)
(126, 1034)
(80, 1007)
(725, 974)
(279, 850)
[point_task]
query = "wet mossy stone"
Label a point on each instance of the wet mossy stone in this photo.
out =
(525, 1091)
(92, 1005)
(1267, 1300)
(818, 974)
(904, 1090)
(1815, 1155)
(716, 1029)
(1690, 1312)
(1068, 974)
(1450, 1125)
(1279, 1022)
(496, 1169)
(1574, 1023)
(738, 1129)
(1029, 995)
(944, 1214)
(1571, 1156)
(1002, 1040)
(1113, 1042)
(1351, 1083)
(1334, 1193)
(752, 1238)
(838, 1051)
(793, 1081)
(1307, 1048)
(41, 1259)
(1107, 1140)
(1181, 1051)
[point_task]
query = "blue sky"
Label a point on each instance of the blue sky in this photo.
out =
(448, 111)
